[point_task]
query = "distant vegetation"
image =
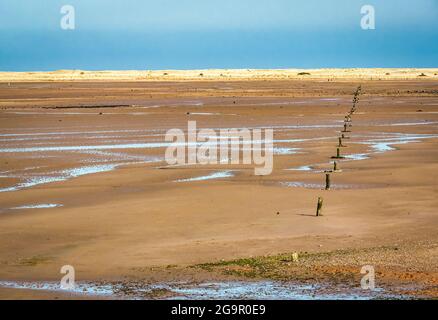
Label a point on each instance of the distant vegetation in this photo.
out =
(303, 74)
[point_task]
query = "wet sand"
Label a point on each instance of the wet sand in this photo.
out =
(83, 181)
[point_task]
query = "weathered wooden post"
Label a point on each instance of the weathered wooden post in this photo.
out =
(319, 207)
(345, 128)
(327, 181)
(338, 154)
(340, 143)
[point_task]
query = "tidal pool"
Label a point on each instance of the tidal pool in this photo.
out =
(214, 175)
(262, 290)
(61, 176)
(38, 206)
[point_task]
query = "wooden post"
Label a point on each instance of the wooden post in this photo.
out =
(338, 154)
(327, 181)
(335, 166)
(340, 142)
(319, 207)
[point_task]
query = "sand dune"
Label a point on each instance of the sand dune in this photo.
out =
(225, 74)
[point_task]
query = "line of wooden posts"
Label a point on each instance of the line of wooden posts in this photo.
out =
(347, 127)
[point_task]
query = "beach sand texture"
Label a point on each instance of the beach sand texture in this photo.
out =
(83, 182)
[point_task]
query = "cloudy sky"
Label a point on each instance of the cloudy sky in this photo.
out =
(187, 34)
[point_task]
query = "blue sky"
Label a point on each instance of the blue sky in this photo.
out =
(187, 34)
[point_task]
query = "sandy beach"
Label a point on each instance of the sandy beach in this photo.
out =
(83, 181)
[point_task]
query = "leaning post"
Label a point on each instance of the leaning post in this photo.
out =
(319, 207)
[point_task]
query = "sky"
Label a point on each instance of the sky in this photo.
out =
(202, 34)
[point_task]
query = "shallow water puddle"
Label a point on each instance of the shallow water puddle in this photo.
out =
(79, 113)
(106, 158)
(299, 184)
(380, 145)
(301, 168)
(212, 114)
(262, 290)
(214, 175)
(38, 206)
(146, 145)
(377, 145)
(57, 133)
(80, 288)
(308, 185)
(88, 147)
(356, 156)
(61, 176)
(408, 124)
(119, 156)
(330, 99)
(284, 151)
